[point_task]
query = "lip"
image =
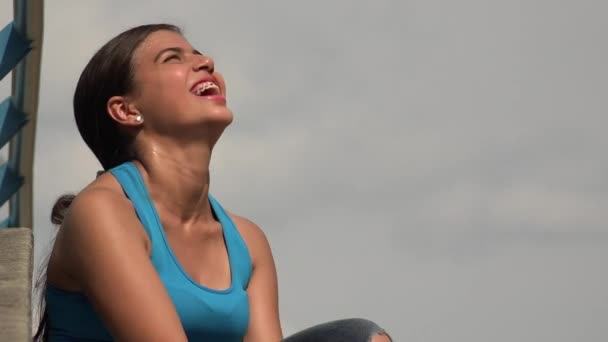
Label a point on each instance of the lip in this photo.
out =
(216, 98)
(202, 80)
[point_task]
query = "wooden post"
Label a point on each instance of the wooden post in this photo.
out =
(16, 252)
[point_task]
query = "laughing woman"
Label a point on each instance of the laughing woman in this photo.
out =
(145, 252)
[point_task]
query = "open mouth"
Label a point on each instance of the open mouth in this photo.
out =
(205, 88)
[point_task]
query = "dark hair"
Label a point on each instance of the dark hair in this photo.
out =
(109, 73)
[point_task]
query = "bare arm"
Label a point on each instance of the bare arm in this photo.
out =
(264, 323)
(100, 246)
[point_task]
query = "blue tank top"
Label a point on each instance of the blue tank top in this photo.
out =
(206, 314)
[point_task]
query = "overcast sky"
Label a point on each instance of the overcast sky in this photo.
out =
(437, 166)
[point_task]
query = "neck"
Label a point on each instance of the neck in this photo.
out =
(178, 179)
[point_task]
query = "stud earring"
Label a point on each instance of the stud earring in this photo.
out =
(138, 118)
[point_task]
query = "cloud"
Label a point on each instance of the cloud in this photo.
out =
(438, 167)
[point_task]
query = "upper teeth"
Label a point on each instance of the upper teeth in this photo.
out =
(204, 86)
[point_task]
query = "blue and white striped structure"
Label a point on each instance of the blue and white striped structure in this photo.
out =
(20, 52)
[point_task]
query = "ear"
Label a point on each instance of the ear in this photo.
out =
(124, 112)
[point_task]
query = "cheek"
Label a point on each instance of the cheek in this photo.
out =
(163, 91)
(171, 82)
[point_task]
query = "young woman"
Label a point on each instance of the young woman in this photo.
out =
(144, 252)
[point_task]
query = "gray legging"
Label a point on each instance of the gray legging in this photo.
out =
(346, 330)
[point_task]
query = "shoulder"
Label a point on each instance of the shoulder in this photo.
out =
(247, 227)
(99, 203)
(100, 216)
(254, 237)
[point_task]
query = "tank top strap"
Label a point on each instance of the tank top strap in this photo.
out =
(133, 185)
(236, 246)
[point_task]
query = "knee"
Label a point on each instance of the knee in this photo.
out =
(381, 337)
(378, 334)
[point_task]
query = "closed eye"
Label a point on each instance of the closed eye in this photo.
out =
(172, 57)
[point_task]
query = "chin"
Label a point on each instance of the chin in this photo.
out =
(223, 115)
(216, 120)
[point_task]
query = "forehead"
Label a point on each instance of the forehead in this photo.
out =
(158, 41)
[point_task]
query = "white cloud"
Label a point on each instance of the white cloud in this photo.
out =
(435, 166)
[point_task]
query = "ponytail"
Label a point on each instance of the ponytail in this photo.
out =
(57, 216)
(59, 209)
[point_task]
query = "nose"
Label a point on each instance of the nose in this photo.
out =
(203, 62)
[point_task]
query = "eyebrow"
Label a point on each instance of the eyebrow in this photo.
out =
(174, 49)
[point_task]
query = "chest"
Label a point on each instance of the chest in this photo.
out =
(208, 315)
(201, 287)
(202, 254)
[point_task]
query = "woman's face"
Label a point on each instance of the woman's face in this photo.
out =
(177, 90)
